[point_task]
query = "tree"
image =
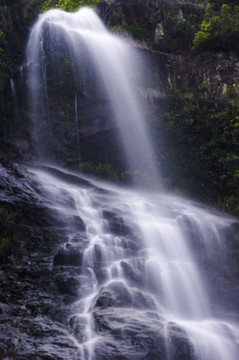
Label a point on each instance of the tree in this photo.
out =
(218, 32)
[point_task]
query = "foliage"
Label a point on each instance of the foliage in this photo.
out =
(103, 170)
(204, 87)
(218, 31)
(199, 150)
(5, 246)
(107, 171)
(180, 24)
(134, 30)
(67, 5)
(48, 4)
(231, 93)
(2, 40)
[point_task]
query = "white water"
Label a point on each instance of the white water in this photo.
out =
(163, 272)
(115, 62)
(144, 261)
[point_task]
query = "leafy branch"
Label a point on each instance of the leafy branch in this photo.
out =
(218, 31)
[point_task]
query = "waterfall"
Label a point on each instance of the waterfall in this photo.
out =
(84, 38)
(144, 262)
(140, 282)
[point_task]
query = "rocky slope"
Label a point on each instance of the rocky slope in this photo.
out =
(41, 269)
(38, 273)
(184, 93)
(32, 311)
(193, 96)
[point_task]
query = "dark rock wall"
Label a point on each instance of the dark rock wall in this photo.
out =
(180, 83)
(42, 277)
(163, 30)
(32, 315)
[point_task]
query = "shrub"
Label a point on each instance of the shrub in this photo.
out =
(102, 170)
(220, 31)
(198, 150)
(67, 5)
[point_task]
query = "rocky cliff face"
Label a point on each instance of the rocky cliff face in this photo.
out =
(167, 29)
(163, 31)
(30, 305)
(42, 277)
(38, 272)
(192, 96)
(164, 28)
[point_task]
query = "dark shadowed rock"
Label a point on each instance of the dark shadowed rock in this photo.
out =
(68, 255)
(116, 224)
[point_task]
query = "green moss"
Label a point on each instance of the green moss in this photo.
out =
(5, 246)
(103, 170)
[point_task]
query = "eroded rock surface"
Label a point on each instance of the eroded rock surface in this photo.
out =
(43, 278)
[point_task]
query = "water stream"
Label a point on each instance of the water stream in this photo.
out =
(145, 288)
(92, 49)
(140, 275)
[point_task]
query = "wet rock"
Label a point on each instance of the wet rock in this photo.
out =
(159, 21)
(129, 335)
(67, 283)
(43, 286)
(134, 276)
(68, 255)
(116, 224)
(32, 316)
(118, 294)
(181, 347)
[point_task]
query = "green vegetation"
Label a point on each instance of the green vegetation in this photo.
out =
(67, 5)
(219, 31)
(108, 171)
(33, 6)
(136, 31)
(103, 170)
(5, 247)
(180, 24)
(231, 93)
(2, 40)
(199, 150)
(204, 88)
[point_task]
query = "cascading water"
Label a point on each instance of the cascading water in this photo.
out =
(140, 286)
(84, 36)
(143, 291)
